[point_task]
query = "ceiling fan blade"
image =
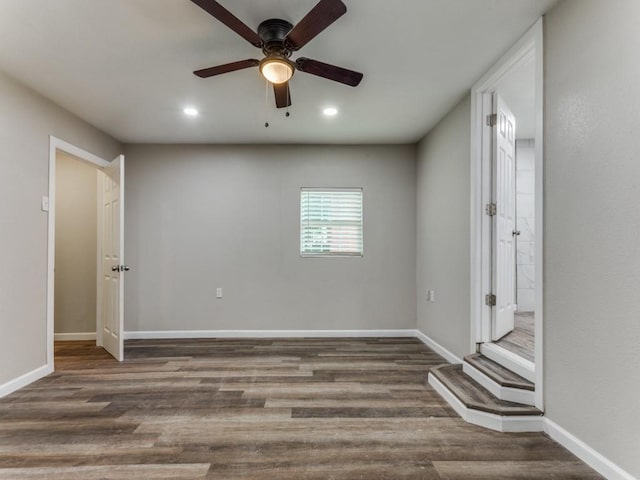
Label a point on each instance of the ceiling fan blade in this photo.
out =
(331, 72)
(282, 94)
(320, 17)
(226, 68)
(225, 16)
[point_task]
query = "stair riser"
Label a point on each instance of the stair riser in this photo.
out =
(509, 360)
(487, 420)
(526, 397)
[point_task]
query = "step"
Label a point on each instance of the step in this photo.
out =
(515, 363)
(474, 396)
(478, 406)
(499, 374)
(500, 381)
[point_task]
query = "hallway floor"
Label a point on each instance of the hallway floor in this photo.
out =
(522, 340)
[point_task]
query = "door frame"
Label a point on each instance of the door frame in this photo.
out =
(56, 145)
(528, 47)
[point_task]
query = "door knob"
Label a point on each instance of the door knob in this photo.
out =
(125, 268)
(115, 268)
(515, 233)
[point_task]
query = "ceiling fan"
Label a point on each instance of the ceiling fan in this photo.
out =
(278, 39)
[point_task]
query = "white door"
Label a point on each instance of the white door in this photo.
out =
(504, 223)
(112, 258)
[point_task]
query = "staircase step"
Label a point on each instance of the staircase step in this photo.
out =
(475, 397)
(498, 373)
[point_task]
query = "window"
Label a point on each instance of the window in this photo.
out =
(330, 222)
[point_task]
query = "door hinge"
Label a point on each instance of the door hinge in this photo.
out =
(492, 120)
(490, 300)
(491, 209)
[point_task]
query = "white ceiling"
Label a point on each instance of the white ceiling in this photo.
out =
(125, 65)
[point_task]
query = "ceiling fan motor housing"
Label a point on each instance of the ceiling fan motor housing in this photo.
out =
(273, 33)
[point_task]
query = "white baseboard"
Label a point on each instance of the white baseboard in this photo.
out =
(584, 452)
(509, 360)
(510, 394)
(161, 334)
(436, 347)
(511, 423)
(75, 336)
(24, 380)
(408, 332)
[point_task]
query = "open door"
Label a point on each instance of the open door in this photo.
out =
(113, 265)
(504, 221)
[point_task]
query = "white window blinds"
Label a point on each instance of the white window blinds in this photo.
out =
(331, 222)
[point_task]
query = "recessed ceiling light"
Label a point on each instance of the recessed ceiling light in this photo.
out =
(190, 112)
(330, 111)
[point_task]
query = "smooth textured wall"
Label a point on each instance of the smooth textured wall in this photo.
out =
(202, 217)
(592, 225)
(443, 230)
(26, 121)
(76, 245)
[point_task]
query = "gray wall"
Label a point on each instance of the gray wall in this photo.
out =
(76, 245)
(26, 121)
(201, 217)
(592, 225)
(443, 229)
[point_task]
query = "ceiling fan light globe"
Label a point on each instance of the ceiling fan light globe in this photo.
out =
(276, 70)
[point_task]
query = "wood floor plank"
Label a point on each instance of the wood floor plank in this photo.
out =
(114, 472)
(510, 470)
(239, 409)
(521, 340)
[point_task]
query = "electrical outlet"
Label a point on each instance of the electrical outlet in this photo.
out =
(44, 205)
(431, 296)
(218, 292)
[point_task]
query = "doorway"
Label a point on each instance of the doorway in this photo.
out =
(506, 243)
(91, 229)
(76, 239)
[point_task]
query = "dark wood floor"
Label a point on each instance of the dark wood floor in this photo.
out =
(521, 340)
(257, 409)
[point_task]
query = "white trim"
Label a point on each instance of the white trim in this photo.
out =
(510, 360)
(160, 334)
(436, 347)
(584, 452)
(24, 380)
(539, 214)
(56, 144)
(510, 394)
(77, 152)
(51, 247)
(500, 423)
(404, 333)
(531, 43)
(74, 336)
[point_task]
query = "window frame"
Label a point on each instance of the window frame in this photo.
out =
(331, 254)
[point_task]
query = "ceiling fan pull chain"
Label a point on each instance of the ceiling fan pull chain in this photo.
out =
(288, 101)
(266, 104)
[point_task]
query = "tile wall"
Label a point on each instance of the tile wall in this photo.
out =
(525, 188)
